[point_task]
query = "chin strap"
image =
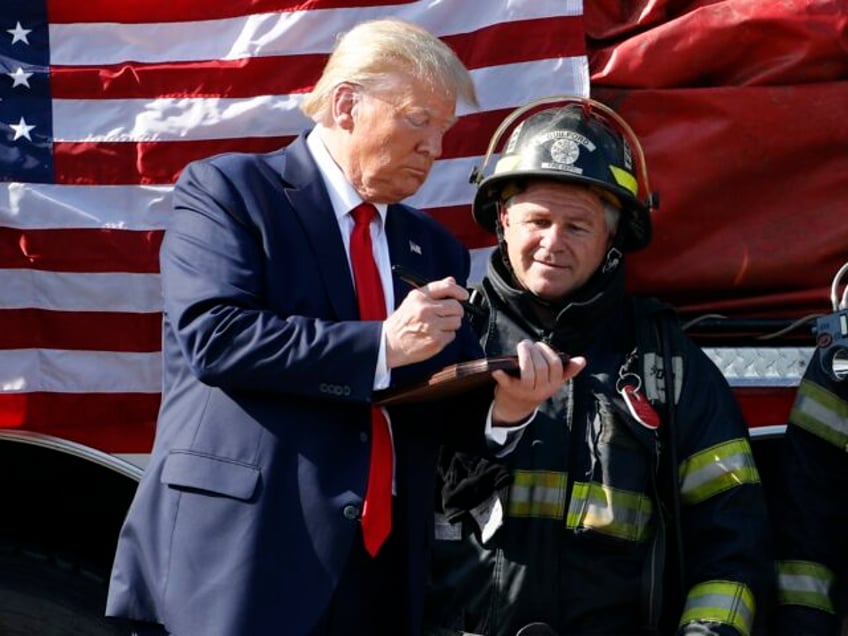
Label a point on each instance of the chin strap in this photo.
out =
(499, 233)
(612, 261)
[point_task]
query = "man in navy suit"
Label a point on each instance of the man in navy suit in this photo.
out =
(248, 519)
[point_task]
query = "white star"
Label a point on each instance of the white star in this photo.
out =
(20, 78)
(19, 34)
(21, 129)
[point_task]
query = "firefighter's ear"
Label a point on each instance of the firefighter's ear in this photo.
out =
(499, 212)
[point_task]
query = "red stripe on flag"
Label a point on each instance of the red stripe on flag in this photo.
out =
(81, 250)
(146, 162)
(70, 11)
(111, 422)
(80, 330)
(528, 40)
(470, 136)
(459, 220)
(217, 78)
(523, 41)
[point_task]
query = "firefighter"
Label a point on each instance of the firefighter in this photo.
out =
(812, 512)
(614, 478)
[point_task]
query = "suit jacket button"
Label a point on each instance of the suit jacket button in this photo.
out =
(351, 512)
(363, 437)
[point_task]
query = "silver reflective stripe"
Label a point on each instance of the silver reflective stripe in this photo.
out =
(537, 493)
(717, 469)
(619, 513)
(805, 583)
(654, 389)
(822, 413)
(727, 602)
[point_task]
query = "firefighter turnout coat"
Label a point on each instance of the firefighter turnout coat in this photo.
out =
(577, 499)
(812, 512)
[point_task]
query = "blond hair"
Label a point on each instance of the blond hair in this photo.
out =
(373, 53)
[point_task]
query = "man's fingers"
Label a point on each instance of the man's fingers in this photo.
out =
(445, 288)
(432, 305)
(538, 363)
(575, 365)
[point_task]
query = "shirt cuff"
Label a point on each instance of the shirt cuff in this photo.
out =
(504, 439)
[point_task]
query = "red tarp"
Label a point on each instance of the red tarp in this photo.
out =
(742, 108)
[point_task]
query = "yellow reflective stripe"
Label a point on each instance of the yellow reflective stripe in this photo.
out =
(717, 469)
(625, 179)
(805, 583)
(537, 493)
(611, 511)
(725, 602)
(822, 413)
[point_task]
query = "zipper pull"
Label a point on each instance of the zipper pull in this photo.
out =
(639, 407)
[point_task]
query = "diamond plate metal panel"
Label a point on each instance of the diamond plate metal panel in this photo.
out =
(761, 366)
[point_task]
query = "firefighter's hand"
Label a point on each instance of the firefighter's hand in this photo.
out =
(542, 373)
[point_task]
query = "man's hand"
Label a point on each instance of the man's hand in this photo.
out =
(542, 374)
(425, 322)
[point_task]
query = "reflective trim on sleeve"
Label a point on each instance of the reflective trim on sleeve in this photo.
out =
(717, 469)
(537, 493)
(821, 413)
(619, 513)
(726, 602)
(805, 583)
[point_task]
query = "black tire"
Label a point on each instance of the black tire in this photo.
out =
(45, 596)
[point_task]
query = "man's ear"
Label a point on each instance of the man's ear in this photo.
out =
(345, 101)
(503, 217)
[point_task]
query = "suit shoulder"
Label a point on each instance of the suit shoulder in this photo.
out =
(237, 164)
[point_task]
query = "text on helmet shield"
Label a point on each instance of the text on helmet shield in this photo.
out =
(543, 138)
(563, 147)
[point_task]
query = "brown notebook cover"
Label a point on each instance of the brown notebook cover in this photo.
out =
(451, 380)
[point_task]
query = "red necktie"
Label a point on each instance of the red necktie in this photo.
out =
(377, 511)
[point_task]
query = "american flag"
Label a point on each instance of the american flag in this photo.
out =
(102, 104)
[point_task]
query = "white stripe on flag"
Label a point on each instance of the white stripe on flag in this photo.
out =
(60, 291)
(50, 206)
(29, 370)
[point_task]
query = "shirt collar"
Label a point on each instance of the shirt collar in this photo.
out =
(343, 197)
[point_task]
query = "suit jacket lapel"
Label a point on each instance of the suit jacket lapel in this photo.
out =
(404, 248)
(311, 204)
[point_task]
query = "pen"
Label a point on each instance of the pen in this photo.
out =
(416, 280)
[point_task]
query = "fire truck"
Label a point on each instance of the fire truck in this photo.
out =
(740, 107)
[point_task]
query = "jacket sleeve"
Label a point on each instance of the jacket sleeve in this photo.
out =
(724, 526)
(812, 518)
